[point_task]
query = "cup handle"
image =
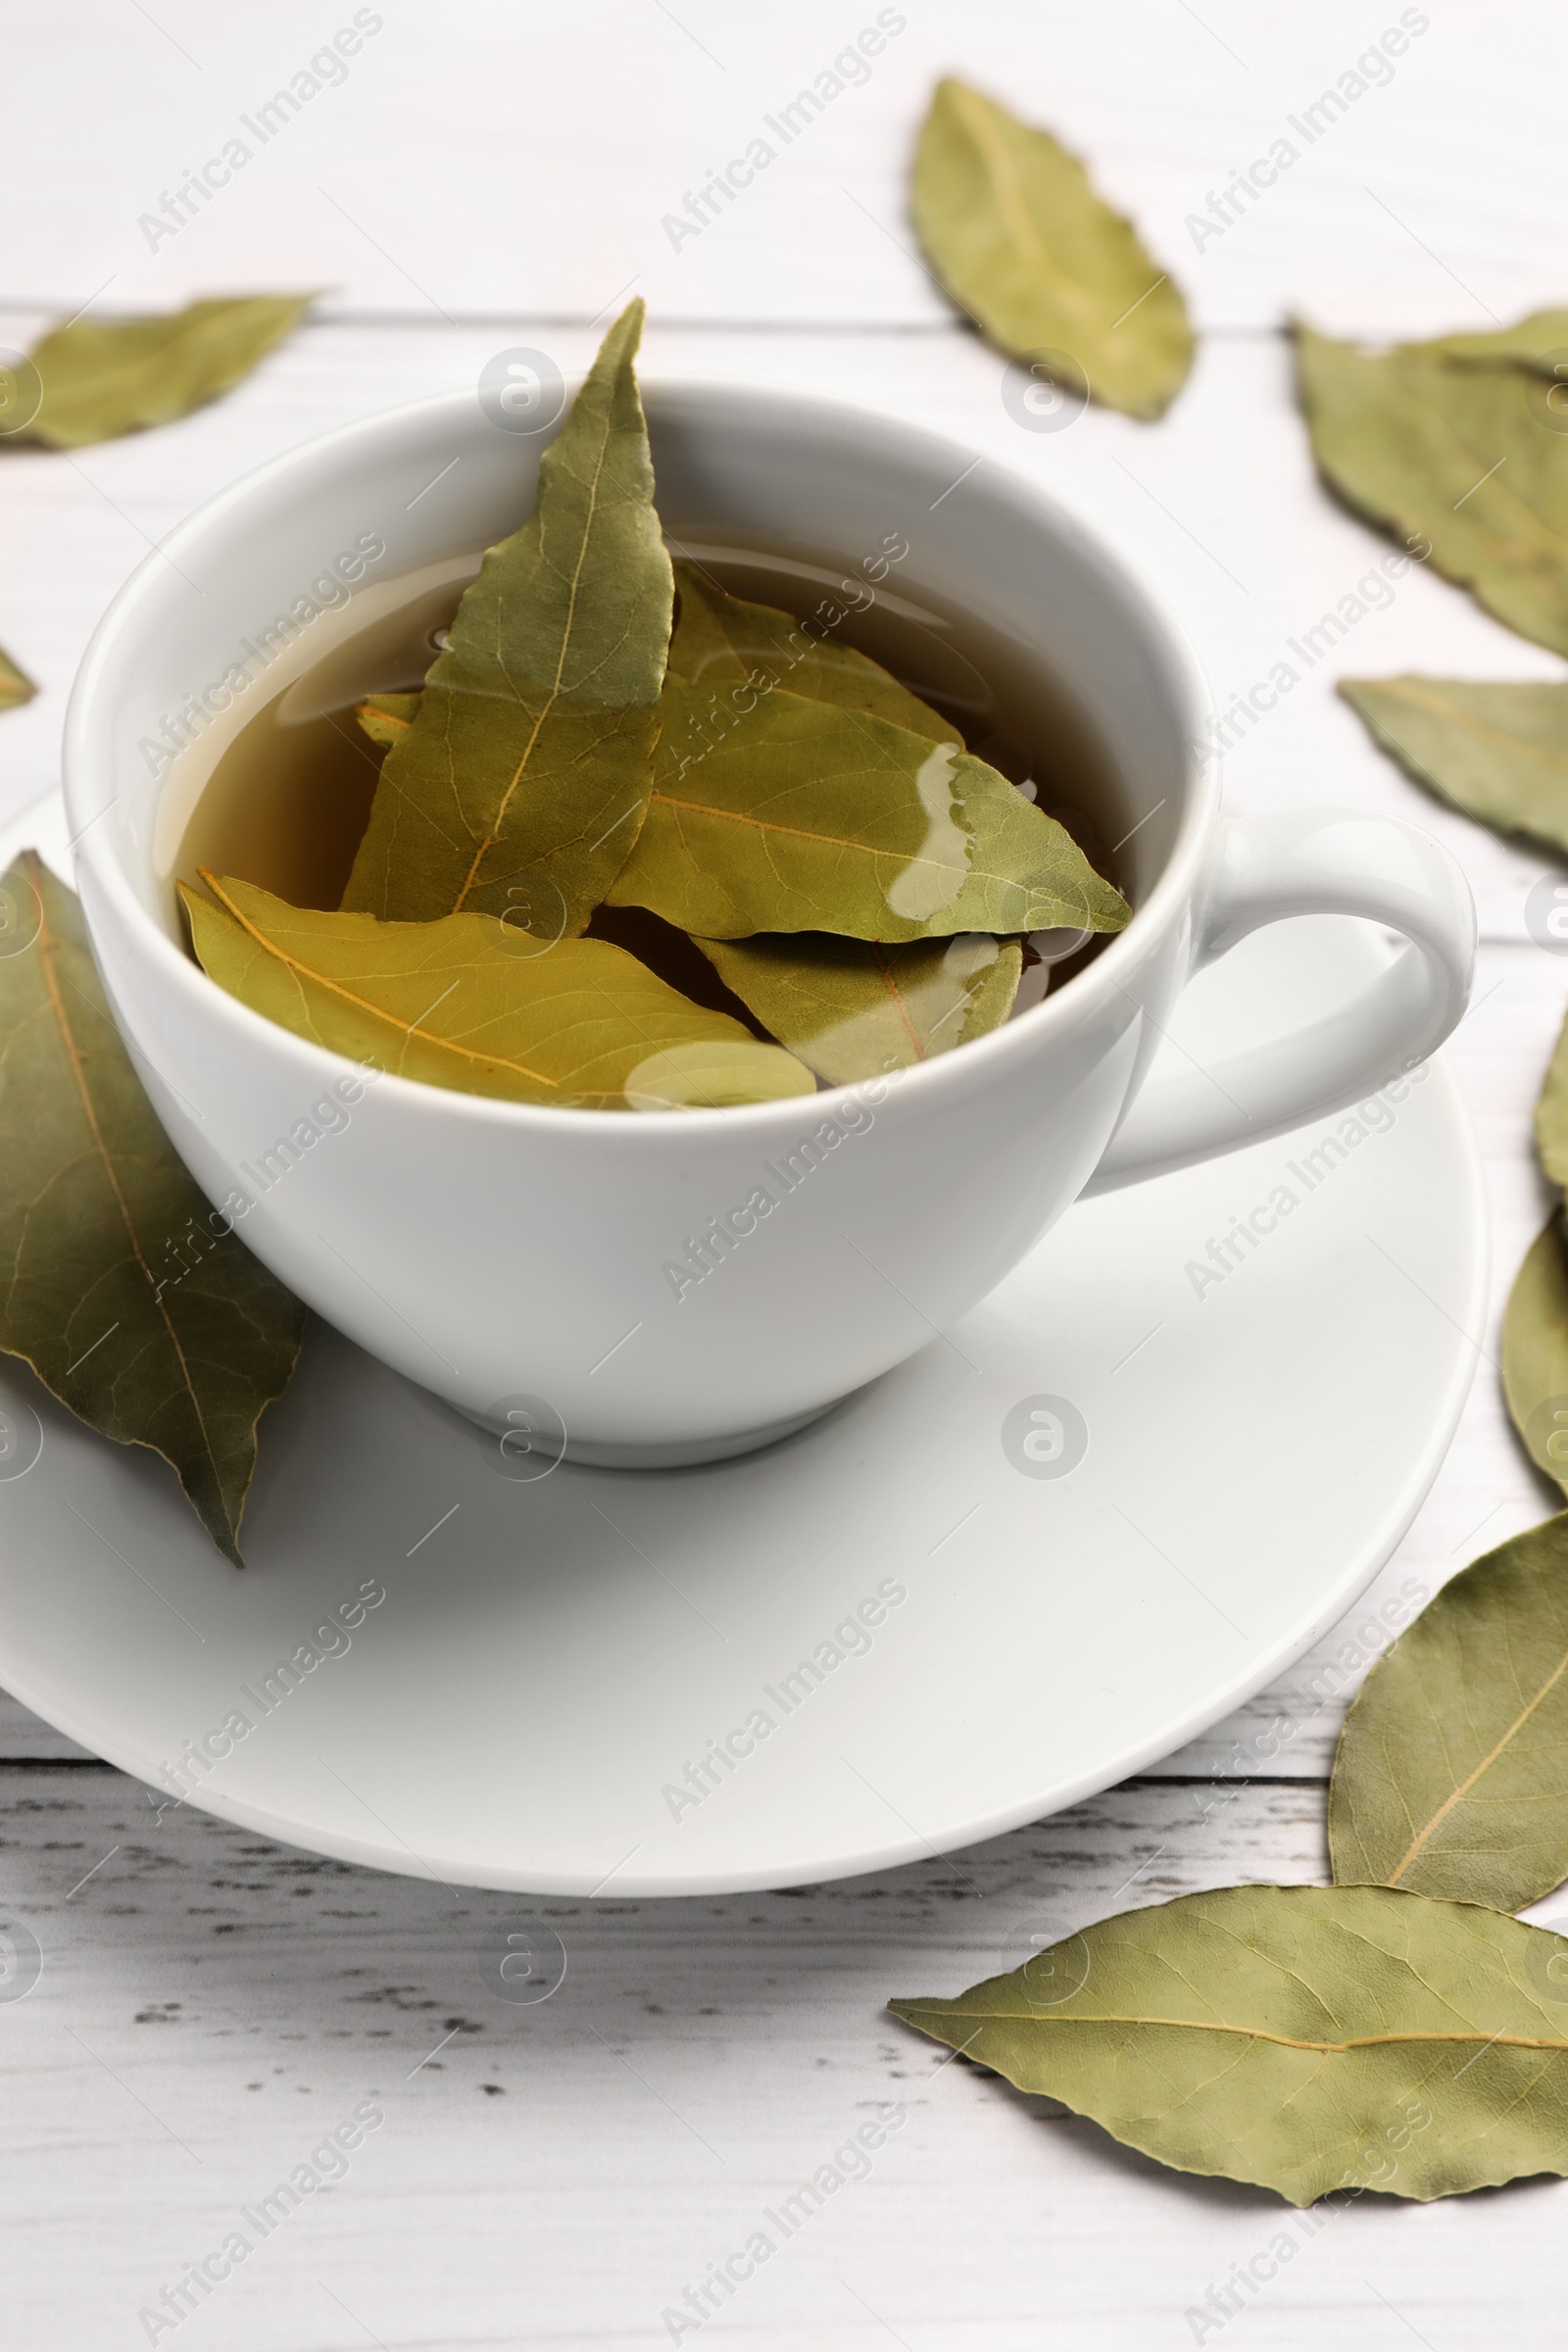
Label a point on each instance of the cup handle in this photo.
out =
(1310, 861)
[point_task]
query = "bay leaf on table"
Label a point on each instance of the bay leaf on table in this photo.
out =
(1305, 2038)
(853, 1008)
(1498, 752)
(1455, 456)
(466, 1002)
(132, 1302)
(15, 687)
(1016, 234)
(521, 782)
(1451, 1773)
(723, 642)
(1535, 343)
(1552, 1113)
(93, 379)
(1535, 1353)
(810, 817)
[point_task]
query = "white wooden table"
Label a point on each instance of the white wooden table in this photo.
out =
(558, 2174)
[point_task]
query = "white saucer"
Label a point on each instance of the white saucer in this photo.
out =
(552, 1656)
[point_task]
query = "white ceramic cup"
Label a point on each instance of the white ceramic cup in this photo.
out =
(523, 1263)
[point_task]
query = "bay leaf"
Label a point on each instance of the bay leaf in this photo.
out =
(387, 718)
(1533, 344)
(521, 782)
(1456, 455)
(853, 1008)
(96, 380)
(1016, 234)
(467, 1003)
(1535, 1353)
(809, 817)
(1498, 752)
(721, 641)
(1552, 1113)
(130, 1298)
(1305, 2038)
(15, 687)
(1451, 1774)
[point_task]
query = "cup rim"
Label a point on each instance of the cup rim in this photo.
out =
(1087, 993)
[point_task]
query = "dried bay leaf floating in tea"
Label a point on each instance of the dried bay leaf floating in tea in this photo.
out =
(1451, 1776)
(807, 818)
(15, 687)
(854, 1008)
(1538, 343)
(387, 718)
(1498, 752)
(521, 781)
(728, 659)
(119, 1284)
(721, 642)
(1464, 451)
(1019, 237)
(1307, 2039)
(1535, 1353)
(468, 1002)
(94, 380)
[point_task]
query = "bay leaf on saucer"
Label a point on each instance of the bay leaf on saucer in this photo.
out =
(1304, 2038)
(723, 642)
(1018, 235)
(520, 784)
(1534, 1351)
(94, 379)
(467, 1003)
(853, 1009)
(809, 817)
(1457, 456)
(15, 687)
(132, 1301)
(1498, 752)
(1451, 1773)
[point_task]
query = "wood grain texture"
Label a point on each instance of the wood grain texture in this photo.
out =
(447, 170)
(555, 2175)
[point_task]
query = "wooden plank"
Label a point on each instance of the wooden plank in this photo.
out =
(25, 1736)
(212, 2005)
(488, 160)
